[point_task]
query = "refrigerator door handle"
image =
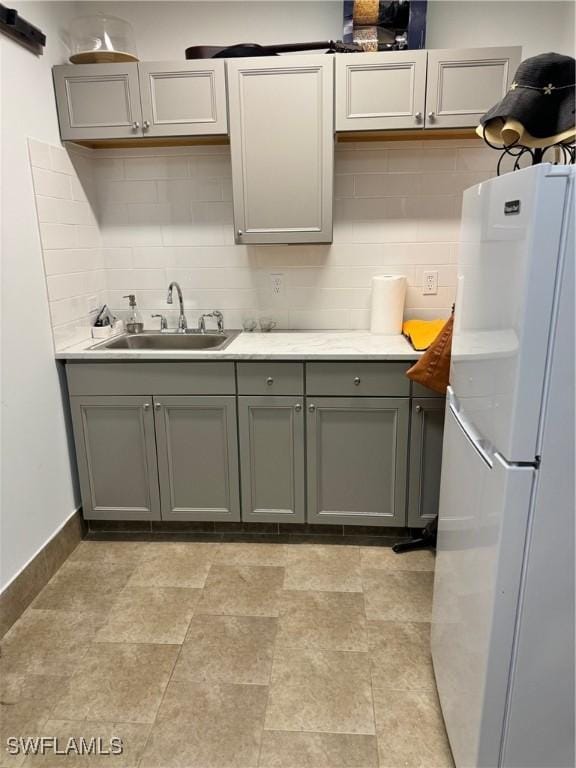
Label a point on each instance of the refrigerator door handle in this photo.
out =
(481, 446)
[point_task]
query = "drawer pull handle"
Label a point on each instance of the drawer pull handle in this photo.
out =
(146, 406)
(311, 407)
(158, 406)
(298, 407)
(357, 380)
(269, 380)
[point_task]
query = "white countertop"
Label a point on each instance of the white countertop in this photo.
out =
(279, 345)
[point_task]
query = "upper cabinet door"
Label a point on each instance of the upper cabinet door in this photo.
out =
(183, 99)
(464, 84)
(98, 101)
(282, 147)
(377, 91)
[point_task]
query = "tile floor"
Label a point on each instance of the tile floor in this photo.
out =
(229, 655)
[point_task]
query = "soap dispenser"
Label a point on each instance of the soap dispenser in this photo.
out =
(134, 322)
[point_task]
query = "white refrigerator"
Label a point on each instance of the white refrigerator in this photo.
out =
(503, 615)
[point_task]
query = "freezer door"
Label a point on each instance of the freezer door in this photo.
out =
(484, 506)
(507, 264)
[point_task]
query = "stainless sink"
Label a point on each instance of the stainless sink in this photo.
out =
(191, 340)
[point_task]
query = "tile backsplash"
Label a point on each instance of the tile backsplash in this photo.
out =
(70, 237)
(119, 221)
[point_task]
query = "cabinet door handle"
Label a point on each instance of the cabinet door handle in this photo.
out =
(146, 406)
(357, 380)
(146, 124)
(269, 381)
(418, 117)
(431, 116)
(418, 408)
(240, 233)
(311, 407)
(298, 407)
(157, 406)
(135, 125)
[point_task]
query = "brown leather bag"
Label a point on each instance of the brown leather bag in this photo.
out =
(432, 370)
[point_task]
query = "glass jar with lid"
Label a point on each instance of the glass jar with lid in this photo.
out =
(100, 38)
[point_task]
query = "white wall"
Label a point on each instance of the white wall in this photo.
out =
(37, 492)
(538, 26)
(165, 29)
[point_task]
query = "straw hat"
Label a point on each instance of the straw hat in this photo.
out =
(539, 108)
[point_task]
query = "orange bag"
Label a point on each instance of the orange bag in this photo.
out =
(432, 370)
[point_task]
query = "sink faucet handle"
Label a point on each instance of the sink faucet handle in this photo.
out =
(219, 319)
(163, 322)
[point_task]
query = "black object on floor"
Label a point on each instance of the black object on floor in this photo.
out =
(426, 539)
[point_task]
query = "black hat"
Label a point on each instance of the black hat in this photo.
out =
(538, 109)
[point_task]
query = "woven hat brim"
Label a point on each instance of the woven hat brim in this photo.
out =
(493, 129)
(543, 116)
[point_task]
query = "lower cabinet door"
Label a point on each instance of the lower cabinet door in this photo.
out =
(356, 459)
(197, 458)
(116, 455)
(426, 434)
(272, 459)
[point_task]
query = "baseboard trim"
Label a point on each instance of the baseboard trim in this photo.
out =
(21, 591)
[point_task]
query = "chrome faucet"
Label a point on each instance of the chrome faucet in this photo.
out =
(218, 316)
(182, 322)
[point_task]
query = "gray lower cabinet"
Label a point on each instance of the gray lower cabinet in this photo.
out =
(197, 457)
(272, 459)
(357, 460)
(116, 453)
(426, 433)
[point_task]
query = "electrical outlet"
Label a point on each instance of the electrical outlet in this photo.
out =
(276, 284)
(429, 283)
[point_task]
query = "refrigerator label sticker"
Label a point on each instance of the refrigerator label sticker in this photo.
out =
(511, 207)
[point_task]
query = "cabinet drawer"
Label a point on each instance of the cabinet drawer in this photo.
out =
(419, 390)
(270, 378)
(126, 378)
(363, 379)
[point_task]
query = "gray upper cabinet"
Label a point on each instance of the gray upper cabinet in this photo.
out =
(197, 457)
(183, 98)
(132, 100)
(116, 454)
(463, 84)
(272, 459)
(357, 457)
(426, 433)
(282, 148)
(98, 101)
(379, 91)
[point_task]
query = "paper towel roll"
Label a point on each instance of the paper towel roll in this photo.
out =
(388, 295)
